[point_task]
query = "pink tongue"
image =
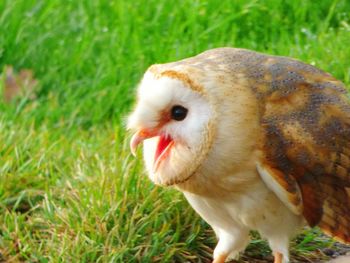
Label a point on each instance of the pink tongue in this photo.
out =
(163, 142)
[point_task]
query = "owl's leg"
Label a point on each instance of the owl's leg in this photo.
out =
(280, 249)
(230, 243)
(278, 257)
(278, 234)
(220, 258)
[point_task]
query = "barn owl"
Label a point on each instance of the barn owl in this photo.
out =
(254, 142)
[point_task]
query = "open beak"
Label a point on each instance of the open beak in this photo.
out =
(164, 145)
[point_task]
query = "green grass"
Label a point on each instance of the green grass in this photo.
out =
(69, 189)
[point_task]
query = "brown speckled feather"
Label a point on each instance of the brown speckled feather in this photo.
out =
(306, 119)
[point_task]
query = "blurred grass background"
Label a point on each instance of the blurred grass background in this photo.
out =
(69, 189)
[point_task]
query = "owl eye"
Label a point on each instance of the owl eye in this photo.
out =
(178, 112)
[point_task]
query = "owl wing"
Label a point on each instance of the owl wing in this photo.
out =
(306, 148)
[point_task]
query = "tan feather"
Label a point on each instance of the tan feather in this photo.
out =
(273, 145)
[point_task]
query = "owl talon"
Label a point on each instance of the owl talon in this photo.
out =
(278, 257)
(220, 259)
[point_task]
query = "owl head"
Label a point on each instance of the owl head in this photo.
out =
(173, 118)
(191, 119)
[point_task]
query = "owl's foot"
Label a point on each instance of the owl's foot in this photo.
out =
(278, 257)
(220, 258)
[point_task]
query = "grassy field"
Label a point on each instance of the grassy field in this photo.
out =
(69, 189)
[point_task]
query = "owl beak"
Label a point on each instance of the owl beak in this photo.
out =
(165, 143)
(139, 137)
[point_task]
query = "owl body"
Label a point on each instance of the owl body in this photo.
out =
(253, 141)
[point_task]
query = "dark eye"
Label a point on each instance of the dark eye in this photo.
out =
(178, 112)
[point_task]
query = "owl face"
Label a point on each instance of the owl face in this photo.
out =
(173, 122)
